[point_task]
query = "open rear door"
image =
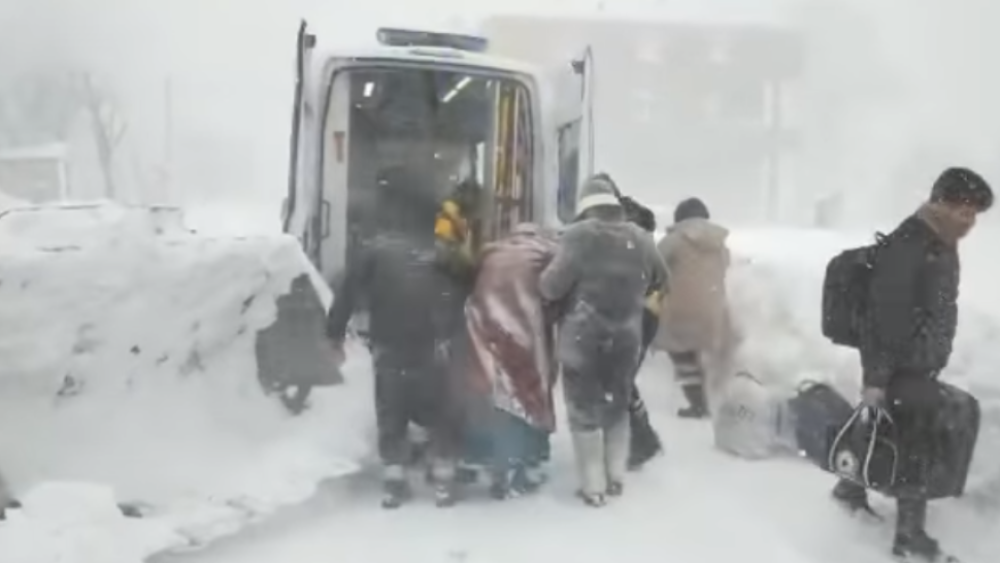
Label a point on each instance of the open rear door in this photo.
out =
(296, 212)
(573, 116)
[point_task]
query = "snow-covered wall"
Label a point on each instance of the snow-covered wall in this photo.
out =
(130, 363)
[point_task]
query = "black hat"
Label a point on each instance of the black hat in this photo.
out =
(690, 208)
(961, 185)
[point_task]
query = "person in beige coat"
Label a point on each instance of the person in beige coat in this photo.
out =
(695, 327)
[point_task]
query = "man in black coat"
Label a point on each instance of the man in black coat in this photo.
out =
(396, 276)
(644, 441)
(909, 331)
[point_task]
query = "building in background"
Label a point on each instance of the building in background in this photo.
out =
(682, 107)
(35, 174)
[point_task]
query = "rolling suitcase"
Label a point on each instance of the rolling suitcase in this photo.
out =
(819, 412)
(955, 444)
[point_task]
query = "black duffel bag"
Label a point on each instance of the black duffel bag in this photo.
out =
(865, 450)
(842, 439)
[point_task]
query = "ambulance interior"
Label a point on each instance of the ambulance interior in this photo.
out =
(424, 130)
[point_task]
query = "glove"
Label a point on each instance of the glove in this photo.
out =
(873, 397)
(873, 401)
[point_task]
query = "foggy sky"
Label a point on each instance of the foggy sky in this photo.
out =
(229, 66)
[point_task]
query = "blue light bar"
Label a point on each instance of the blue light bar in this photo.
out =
(394, 37)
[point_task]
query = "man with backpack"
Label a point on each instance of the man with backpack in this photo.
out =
(901, 302)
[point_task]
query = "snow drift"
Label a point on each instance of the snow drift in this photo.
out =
(130, 375)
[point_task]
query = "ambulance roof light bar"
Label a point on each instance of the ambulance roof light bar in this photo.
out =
(396, 37)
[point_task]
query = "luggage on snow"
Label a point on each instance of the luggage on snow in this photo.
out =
(861, 445)
(750, 420)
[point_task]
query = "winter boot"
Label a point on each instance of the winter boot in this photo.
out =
(588, 445)
(10, 504)
(854, 498)
(446, 489)
(911, 539)
(526, 480)
(697, 402)
(616, 454)
(395, 488)
(296, 398)
(644, 444)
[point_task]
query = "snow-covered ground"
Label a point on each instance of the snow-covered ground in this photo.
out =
(213, 456)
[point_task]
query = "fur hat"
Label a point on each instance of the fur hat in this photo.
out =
(961, 185)
(596, 192)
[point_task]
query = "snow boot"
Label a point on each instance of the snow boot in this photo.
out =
(10, 504)
(912, 541)
(524, 482)
(296, 398)
(644, 443)
(395, 488)
(446, 488)
(617, 439)
(854, 498)
(697, 402)
(590, 464)
(396, 493)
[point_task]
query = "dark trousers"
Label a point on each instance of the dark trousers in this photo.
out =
(411, 388)
(650, 324)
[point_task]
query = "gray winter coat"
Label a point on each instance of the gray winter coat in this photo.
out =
(600, 277)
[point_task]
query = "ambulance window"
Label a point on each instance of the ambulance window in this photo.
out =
(569, 171)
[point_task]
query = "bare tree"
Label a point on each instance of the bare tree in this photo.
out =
(108, 128)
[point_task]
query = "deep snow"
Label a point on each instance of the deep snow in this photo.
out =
(129, 376)
(695, 504)
(213, 455)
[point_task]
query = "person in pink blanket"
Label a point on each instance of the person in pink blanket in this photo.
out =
(509, 384)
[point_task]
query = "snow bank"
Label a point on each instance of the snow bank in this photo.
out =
(129, 375)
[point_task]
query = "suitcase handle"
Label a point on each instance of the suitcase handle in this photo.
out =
(862, 413)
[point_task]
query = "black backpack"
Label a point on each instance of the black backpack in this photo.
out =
(845, 292)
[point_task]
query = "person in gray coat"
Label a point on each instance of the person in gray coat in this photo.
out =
(603, 271)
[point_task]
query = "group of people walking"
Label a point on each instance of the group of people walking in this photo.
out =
(469, 345)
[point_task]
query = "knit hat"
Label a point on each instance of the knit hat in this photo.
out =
(596, 192)
(607, 178)
(690, 208)
(961, 185)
